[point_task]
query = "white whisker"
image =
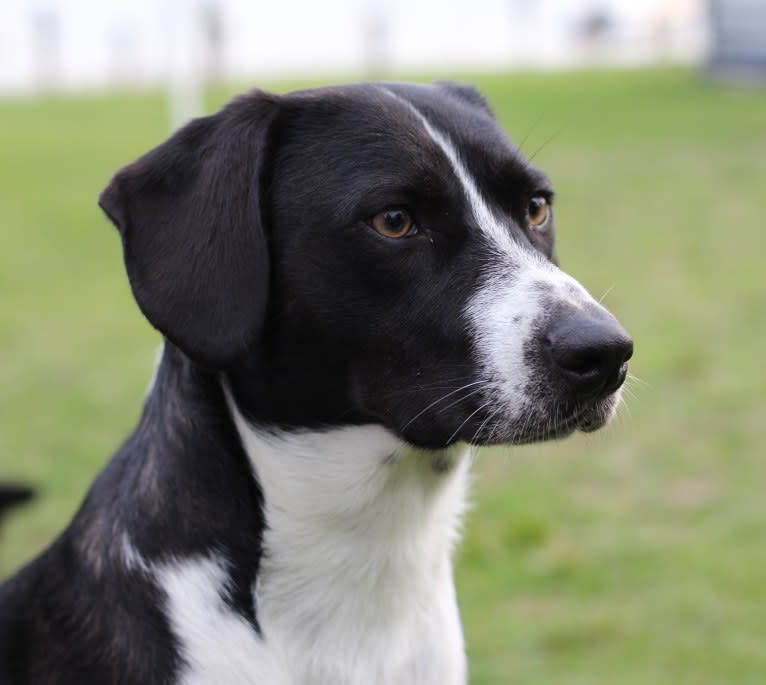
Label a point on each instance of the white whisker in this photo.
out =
(603, 297)
(435, 402)
(633, 377)
(470, 416)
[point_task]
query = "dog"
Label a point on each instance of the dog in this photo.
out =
(355, 285)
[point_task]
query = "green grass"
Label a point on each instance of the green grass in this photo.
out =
(637, 555)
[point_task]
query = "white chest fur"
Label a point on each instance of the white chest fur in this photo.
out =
(355, 585)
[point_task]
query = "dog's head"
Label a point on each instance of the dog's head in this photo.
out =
(369, 253)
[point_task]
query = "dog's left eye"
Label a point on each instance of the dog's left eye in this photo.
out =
(538, 211)
(393, 223)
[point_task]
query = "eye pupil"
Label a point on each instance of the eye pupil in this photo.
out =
(394, 220)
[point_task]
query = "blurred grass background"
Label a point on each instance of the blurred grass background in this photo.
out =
(636, 555)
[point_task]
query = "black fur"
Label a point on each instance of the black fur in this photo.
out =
(179, 486)
(13, 495)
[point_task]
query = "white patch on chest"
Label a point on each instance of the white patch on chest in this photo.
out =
(217, 645)
(355, 584)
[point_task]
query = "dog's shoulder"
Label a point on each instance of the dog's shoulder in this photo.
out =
(61, 624)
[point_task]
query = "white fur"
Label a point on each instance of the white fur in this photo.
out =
(217, 644)
(356, 580)
(355, 584)
(503, 313)
(159, 352)
(131, 557)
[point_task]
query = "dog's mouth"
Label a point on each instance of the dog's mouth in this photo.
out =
(555, 424)
(494, 425)
(585, 420)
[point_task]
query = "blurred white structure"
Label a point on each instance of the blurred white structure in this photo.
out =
(738, 39)
(80, 44)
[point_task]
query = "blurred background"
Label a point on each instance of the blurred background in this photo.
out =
(635, 555)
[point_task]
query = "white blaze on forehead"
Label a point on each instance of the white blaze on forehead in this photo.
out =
(488, 223)
(516, 288)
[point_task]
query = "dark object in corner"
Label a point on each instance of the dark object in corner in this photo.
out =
(11, 495)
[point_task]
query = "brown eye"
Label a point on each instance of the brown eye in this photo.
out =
(393, 223)
(538, 211)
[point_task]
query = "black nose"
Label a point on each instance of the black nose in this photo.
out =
(590, 352)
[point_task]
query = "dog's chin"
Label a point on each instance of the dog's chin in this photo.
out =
(550, 425)
(492, 428)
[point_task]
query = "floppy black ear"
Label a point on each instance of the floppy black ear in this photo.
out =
(189, 214)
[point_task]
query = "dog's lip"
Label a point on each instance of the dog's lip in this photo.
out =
(587, 419)
(562, 429)
(592, 421)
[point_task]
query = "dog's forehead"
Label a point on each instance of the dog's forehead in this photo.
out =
(467, 123)
(354, 133)
(345, 153)
(354, 149)
(386, 120)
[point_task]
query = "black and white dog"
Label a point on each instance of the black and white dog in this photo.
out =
(354, 284)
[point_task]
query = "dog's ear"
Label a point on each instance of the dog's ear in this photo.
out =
(190, 217)
(467, 94)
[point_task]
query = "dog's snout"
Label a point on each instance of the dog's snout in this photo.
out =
(590, 353)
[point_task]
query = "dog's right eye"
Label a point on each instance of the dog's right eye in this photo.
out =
(393, 223)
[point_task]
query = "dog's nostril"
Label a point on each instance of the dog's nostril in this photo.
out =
(590, 353)
(578, 361)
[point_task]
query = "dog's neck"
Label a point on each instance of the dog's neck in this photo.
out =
(333, 545)
(199, 444)
(179, 486)
(358, 538)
